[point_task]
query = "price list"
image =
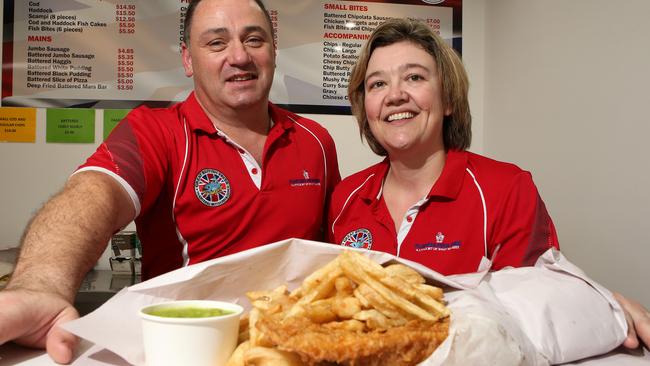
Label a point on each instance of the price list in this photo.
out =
(125, 18)
(96, 52)
(434, 24)
(53, 66)
(273, 14)
(181, 23)
(127, 51)
(125, 57)
(346, 26)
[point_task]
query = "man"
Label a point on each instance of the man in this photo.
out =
(219, 173)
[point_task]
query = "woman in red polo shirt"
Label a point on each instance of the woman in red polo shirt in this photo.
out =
(430, 200)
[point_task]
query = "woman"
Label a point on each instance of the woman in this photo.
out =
(430, 200)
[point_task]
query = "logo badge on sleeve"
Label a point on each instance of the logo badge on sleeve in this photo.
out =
(360, 238)
(212, 187)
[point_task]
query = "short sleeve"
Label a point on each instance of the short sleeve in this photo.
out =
(523, 229)
(135, 155)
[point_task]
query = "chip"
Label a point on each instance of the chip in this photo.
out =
(350, 311)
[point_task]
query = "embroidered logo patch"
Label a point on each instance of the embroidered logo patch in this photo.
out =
(360, 238)
(305, 181)
(438, 246)
(212, 187)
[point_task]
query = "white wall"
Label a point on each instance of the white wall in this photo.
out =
(566, 97)
(352, 153)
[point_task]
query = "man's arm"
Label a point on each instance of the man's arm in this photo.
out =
(60, 245)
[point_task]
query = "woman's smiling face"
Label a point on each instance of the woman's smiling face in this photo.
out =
(403, 99)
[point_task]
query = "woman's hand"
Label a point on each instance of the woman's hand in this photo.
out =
(638, 322)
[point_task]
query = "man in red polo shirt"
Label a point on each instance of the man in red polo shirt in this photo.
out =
(221, 172)
(200, 194)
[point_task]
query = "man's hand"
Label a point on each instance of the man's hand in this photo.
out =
(638, 322)
(32, 319)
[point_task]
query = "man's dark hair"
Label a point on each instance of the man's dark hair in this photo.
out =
(189, 13)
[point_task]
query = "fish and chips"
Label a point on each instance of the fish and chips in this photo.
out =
(352, 311)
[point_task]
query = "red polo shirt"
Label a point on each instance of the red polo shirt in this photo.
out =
(198, 195)
(476, 205)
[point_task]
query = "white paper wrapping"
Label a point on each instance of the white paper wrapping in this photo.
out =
(550, 313)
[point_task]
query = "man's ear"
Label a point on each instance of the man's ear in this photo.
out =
(275, 55)
(187, 60)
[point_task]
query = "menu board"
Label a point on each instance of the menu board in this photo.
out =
(123, 53)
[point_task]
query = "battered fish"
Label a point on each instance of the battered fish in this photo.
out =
(317, 344)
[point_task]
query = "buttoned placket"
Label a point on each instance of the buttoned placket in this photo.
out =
(252, 167)
(407, 222)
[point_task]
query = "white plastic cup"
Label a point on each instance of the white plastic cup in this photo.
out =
(205, 341)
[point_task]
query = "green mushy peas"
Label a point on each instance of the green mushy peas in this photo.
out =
(188, 312)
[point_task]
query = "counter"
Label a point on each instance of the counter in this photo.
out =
(101, 285)
(98, 285)
(7, 260)
(91, 355)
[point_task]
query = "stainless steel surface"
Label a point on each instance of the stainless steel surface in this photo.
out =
(7, 260)
(96, 289)
(8, 255)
